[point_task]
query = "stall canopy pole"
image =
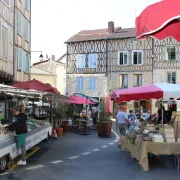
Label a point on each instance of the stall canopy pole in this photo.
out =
(162, 111)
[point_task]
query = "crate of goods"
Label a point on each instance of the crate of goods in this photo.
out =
(169, 134)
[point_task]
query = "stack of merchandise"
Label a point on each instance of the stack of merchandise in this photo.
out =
(151, 127)
(157, 137)
(169, 134)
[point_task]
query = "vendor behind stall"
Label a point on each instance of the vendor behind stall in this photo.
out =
(20, 127)
(161, 111)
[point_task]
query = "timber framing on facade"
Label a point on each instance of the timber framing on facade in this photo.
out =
(107, 47)
(160, 59)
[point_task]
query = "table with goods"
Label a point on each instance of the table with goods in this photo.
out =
(150, 138)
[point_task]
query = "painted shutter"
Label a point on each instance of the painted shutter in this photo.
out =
(20, 58)
(28, 63)
(27, 30)
(92, 60)
(166, 53)
(125, 81)
(93, 84)
(4, 34)
(19, 23)
(77, 79)
(24, 61)
(83, 62)
(82, 84)
(135, 80)
(89, 83)
(140, 80)
(27, 4)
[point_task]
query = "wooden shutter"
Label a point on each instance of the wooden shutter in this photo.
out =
(89, 83)
(82, 84)
(27, 5)
(20, 58)
(93, 83)
(77, 84)
(24, 61)
(27, 63)
(19, 23)
(4, 42)
(27, 30)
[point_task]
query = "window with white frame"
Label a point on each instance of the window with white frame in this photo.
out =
(172, 77)
(170, 53)
(123, 81)
(122, 57)
(79, 83)
(137, 57)
(4, 42)
(80, 61)
(137, 80)
(27, 4)
(20, 16)
(91, 83)
(92, 60)
(6, 2)
(27, 30)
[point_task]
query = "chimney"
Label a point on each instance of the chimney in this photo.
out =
(110, 27)
(53, 58)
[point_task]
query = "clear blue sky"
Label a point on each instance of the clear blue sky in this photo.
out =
(54, 21)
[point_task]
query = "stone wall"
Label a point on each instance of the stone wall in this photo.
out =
(101, 86)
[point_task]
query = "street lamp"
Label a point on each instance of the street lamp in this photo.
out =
(41, 57)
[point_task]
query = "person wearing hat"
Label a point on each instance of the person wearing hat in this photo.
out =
(121, 123)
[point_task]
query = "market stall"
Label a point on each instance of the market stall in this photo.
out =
(37, 130)
(81, 119)
(150, 136)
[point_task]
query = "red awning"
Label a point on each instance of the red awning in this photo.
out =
(36, 85)
(147, 92)
(160, 20)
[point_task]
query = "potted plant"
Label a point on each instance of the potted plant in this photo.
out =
(104, 124)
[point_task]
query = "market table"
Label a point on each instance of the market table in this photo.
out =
(140, 150)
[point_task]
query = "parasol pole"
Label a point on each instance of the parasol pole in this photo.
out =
(162, 114)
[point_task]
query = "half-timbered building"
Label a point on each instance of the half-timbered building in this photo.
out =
(99, 61)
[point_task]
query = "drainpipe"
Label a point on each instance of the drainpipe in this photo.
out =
(14, 43)
(107, 64)
(30, 43)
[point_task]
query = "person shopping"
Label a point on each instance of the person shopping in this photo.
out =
(122, 122)
(20, 128)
